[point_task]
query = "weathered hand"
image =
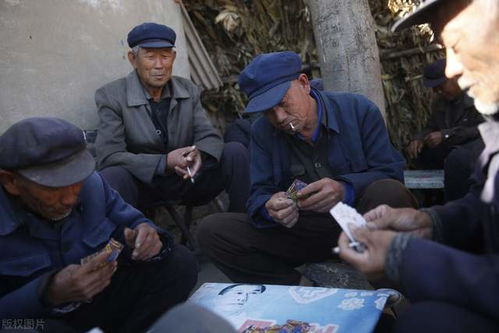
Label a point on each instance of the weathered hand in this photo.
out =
(414, 148)
(400, 219)
(372, 260)
(144, 240)
(179, 159)
(78, 283)
(322, 195)
(433, 139)
(282, 209)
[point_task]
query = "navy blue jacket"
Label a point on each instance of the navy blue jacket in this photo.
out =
(464, 269)
(31, 250)
(360, 151)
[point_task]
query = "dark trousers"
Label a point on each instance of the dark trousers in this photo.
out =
(231, 174)
(269, 255)
(137, 296)
(437, 317)
(458, 167)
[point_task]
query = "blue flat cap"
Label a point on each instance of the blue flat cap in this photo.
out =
(151, 35)
(434, 74)
(48, 151)
(423, 14)
(267, 78)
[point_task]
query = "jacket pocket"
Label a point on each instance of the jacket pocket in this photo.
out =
(100, 234)
(25, 266)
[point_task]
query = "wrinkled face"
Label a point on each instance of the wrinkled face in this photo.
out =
(53, 203)
(296, 107)
(233, 300)
(472, 43)
(154, 66)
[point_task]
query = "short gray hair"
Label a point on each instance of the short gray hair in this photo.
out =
(136, 49)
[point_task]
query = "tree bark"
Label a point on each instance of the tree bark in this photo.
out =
(347, 49)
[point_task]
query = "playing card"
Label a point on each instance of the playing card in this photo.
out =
(296, 186)
(113, 247)
(344, 215)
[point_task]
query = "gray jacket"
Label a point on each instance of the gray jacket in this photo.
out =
(127, 136)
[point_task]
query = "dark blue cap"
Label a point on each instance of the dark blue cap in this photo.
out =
(151, 35)
(434, 74)
(268, 77)
(422, 14)
(47, 151)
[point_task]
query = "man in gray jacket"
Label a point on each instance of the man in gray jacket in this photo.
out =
(154, 139)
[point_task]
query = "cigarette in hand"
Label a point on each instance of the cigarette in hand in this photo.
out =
(190, 174)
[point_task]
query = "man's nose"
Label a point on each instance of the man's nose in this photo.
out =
(280, 114)
(159, 63)
(454, 67)
(69, 195)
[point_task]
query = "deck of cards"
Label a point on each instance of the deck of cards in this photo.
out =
(113, 247)
(345, 215)
(295, 187)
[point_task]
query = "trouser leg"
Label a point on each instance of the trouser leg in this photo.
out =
(386, 191)
(437, 317)
(247, 254)
(235, 169)
(139, 294)
(123, 182)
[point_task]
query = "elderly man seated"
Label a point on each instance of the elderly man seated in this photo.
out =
(155, 141)
(335, 142)
(55, 212)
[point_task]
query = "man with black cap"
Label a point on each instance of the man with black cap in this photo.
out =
(55, 211)
(336, 143)
(452, 276)
(155, 141)
(451, 132)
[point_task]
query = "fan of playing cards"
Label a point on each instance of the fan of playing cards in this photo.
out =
(345, 215)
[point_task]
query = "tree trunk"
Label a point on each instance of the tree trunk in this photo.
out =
(348, 53)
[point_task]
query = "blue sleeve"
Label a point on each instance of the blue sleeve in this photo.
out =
(382, 160)
(432, 271)
(261, 174)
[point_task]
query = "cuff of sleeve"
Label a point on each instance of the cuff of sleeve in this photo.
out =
(265, 214)
(161, 167)
(436, 223)
(394, 256)
(349, 194)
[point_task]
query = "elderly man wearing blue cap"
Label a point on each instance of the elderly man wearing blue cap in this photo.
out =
(446, 258)
(336, 143)
(73, 254)
(155, 141)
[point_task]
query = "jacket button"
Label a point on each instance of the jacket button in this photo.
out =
(317, 165)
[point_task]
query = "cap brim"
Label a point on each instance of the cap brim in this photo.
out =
(268, 99)
(420, 16)
(433, 83)
(156, 44)
(73, 170)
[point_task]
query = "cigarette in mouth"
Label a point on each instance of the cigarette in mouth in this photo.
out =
(292, 127)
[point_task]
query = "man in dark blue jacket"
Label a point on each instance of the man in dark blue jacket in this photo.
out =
(55, 211)
(335, 142)
(452, 281)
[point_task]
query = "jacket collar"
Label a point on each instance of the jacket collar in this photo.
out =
(137, 96)
(332, 122)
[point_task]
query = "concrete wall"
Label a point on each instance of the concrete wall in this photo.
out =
(56, 53)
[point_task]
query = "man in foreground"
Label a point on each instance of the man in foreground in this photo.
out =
(335, 142)
(55, 211)
(446, 258)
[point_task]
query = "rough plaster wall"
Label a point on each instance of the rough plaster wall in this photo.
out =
(56, 53)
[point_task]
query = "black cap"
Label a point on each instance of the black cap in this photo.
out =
(48, 151)
(422, 14)
(434, 74)
(151, 35)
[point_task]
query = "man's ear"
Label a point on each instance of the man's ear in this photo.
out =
(132, 58)
(174, 55)
(304, 82)
(9, 183)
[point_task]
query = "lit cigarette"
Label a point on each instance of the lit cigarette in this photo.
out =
(292, 127)
(190, 174)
